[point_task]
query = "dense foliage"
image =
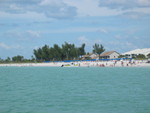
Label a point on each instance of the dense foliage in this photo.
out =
(56, 53)
(60, 53)
(98, 49)
(17, 59)
(148, 55)
(140, 56)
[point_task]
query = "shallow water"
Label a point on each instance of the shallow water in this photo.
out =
(74, 90)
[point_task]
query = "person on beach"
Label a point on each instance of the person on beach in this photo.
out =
(103, 65)
(122, 63)
(127, 64)
(115, 63)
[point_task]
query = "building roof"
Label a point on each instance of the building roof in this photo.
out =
(87, 55)
(107, 53)
(96, 57)
(91, 55)
(144, 51)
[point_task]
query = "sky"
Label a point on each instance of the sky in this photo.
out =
(120, 25)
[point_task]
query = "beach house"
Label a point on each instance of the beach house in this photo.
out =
(109, 55)
(134, 53)
(89, 56)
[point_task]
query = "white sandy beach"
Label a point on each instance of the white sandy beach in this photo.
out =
(136, 63)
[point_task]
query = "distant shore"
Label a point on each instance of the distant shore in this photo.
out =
(136, 63)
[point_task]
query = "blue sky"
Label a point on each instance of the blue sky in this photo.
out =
(120, 25)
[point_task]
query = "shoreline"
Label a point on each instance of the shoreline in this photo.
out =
(136, 63)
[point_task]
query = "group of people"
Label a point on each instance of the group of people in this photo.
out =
(115, 63)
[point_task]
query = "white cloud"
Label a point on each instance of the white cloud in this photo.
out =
(4, 46)
(135, 15)
(84, 39)
(8, 47)
(91, 8)
(51, 8)
(26, 17)
(33, 34)
(62, 9)
(109, 7)
(12, 34)
(144, 2)
(18, 35)
(118, 36)
(124, 4)
(77, 30)
(88, 41)
(121, 46)
(102, 30)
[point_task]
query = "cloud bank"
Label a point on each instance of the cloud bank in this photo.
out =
(124, 4)
(8, 47)
(51, 8)
(64, 9)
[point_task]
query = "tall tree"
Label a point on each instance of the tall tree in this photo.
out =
(18, 58)
(82, 50)
(57, 51)
(8, 59)
(39, 54)
(98, 48)
(140, 56)
(73, 52)
(66, 52)
(46, 53)
(148, 55)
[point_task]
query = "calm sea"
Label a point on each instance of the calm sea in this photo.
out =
(74, 90)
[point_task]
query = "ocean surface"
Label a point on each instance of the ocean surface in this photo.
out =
(74, 90)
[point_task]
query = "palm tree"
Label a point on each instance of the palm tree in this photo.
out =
(98, 48)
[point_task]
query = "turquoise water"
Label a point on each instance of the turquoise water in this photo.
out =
(74, 90)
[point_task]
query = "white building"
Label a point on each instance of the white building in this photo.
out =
(109, 55)
(134, 53)
(89, 56)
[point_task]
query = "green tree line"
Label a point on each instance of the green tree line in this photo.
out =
(17, 59)
(60, 53)
(56, 53)
(137, 57)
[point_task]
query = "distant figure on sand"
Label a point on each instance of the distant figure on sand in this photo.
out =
(122, 63)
